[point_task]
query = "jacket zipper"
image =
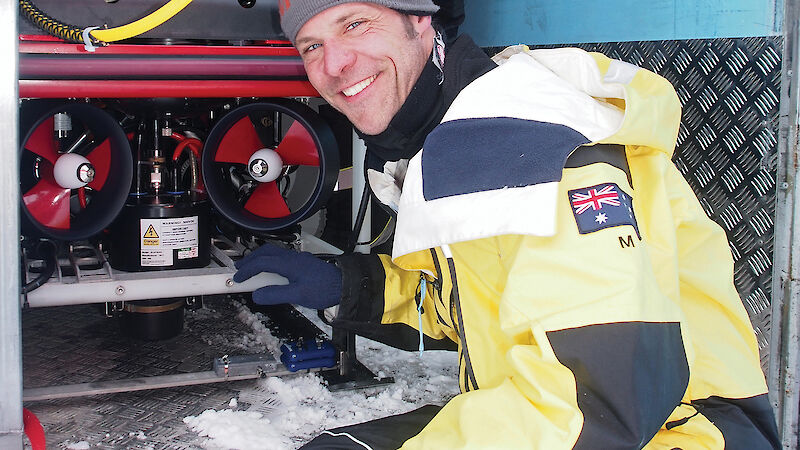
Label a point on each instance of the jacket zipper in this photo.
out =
(459, 325)
(437, 284)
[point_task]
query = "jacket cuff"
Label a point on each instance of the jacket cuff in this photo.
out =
(363, 280)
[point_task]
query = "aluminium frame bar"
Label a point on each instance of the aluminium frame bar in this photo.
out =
(11, 425)
(784, 364)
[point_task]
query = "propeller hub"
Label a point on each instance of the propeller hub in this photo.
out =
(73, 171)
(86, 173)
(259, 167)
(265, 165)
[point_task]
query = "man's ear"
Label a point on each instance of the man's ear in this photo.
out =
(421, 23)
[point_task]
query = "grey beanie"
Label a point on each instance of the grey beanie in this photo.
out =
(295, 13)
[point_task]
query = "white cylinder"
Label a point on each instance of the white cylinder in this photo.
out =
(73, 171)
(265, 165)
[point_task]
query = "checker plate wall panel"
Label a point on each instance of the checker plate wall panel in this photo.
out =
(727, 145)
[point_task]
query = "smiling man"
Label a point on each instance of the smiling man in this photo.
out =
(368, 83)
(542, 231)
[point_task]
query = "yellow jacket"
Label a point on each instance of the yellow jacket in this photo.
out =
(590, 297)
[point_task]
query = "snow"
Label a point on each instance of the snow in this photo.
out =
(284, 413)
(82, 445)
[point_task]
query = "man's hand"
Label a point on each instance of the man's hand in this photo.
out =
(313, 283)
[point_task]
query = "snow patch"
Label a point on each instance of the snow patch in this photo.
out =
(285, 413)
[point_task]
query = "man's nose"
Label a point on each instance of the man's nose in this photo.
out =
(338, 58)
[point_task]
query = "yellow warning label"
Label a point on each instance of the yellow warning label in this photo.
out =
(151, 233)
(150, 242)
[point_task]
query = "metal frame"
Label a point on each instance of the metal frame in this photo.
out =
(102, 284)
(105, 284)
(10, 335)
(784, 369)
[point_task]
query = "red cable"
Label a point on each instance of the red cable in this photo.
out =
(34, 430)
(177, 136)
(194, 145)
(82, 196)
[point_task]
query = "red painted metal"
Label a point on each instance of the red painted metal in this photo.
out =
(132, 67)
(163, 88)
(45, 61)
(50, 38)
(58, 47)
(39, 37)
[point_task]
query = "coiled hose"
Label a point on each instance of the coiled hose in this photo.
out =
(72, 33)
(69, 33)
(47, 250)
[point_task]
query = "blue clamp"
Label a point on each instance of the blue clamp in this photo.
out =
(302, 355)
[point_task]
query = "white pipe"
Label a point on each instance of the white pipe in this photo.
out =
(130, 286)
(359, 180)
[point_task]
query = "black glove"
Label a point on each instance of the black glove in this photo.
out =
(313, 283)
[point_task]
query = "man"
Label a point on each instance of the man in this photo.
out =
(542, 228)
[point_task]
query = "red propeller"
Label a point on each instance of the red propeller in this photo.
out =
(297, 147)
(47, 201)
(239, 143)
(42, 142)
(243, 145)
(71, 196)
(266, 201)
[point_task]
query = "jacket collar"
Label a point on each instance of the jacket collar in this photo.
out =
(429, 100)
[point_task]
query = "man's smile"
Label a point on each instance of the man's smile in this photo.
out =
(358, 87)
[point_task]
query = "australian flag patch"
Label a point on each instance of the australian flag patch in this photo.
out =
(602, 206)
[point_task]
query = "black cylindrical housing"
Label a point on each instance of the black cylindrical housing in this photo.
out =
(161, 233)
(153, 320)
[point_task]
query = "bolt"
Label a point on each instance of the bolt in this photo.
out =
(259, 167)
(120, 290)
(229, 282)
(86, 173)
(266, 121)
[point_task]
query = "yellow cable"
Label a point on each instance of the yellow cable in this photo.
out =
(388, 222)
(142, 25)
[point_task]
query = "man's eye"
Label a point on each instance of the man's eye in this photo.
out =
(312, 47)
(353, 25)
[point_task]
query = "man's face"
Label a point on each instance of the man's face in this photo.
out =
(364, 59)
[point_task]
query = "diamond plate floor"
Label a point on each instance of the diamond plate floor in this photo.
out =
(78, 344)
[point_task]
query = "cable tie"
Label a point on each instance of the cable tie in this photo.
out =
(87, 40)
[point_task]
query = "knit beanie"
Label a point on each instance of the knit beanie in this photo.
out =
(295, 13)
